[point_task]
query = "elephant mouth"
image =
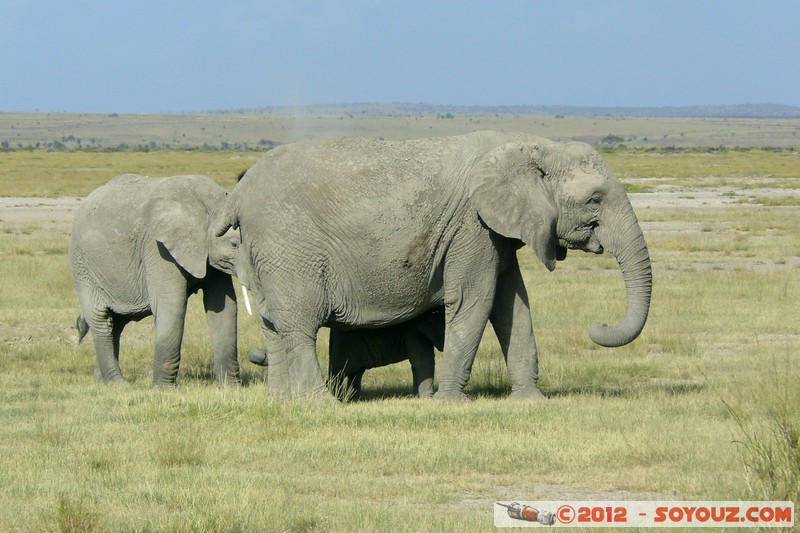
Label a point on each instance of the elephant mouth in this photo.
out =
(591, 245)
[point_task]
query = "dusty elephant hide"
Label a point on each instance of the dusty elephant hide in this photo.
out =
(354, 232)
(141, 246)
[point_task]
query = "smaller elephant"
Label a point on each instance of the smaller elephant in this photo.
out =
(354, 351)
(141, 247)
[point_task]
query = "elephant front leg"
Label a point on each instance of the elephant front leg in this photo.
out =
(305, 374)
(469, 287)
(219, 299)
(275, 356)
(466, 318)
(169, 318)
(511, 320)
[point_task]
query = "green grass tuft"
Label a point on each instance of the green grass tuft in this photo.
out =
(75, 516)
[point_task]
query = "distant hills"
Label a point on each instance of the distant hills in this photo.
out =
(400, 109)
(765, 125)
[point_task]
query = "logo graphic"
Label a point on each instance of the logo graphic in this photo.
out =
(517, 511)
(663, 513)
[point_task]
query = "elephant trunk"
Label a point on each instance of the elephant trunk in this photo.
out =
(622, 237)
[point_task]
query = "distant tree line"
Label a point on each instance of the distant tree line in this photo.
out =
(608, 144)
(73, 144)
(606, 149)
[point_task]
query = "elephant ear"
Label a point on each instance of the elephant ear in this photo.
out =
(507, 188)
(177, 219)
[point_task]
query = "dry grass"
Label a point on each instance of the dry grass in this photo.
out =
(702, 406)
(709, 169)
(52, 174)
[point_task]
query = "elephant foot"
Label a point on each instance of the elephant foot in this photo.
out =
(528, 393)
(116, 379)
(257, 356)
(229, 377)
(425, 393)
(424, 389)
(451, 396)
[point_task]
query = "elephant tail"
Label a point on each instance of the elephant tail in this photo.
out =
(82, 327)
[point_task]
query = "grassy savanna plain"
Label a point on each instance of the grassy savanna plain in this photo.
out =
(259, 130)
(704, 405)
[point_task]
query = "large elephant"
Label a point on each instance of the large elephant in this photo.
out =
(355, 232)
(141, 246)
(354, 351)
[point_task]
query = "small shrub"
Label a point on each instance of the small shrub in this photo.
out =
(770, 452)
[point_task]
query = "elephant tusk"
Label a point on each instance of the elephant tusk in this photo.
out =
(246, 301)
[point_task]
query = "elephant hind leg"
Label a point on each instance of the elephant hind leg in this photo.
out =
(219, 300)
(106, 331)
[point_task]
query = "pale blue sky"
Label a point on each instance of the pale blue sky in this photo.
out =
(198, 55)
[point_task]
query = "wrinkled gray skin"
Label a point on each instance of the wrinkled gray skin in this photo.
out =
(355, 232)
(141, 246)
(352, 352)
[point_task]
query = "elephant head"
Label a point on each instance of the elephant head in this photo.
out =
(180, 219)
(558, 196)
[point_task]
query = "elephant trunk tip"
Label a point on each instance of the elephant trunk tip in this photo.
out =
(631, 326)
(609, 336)
(225, 218)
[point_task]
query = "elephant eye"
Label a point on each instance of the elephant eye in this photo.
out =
(594, 199)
